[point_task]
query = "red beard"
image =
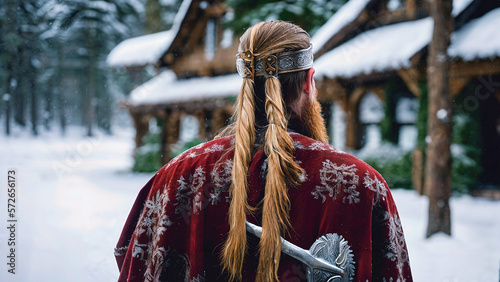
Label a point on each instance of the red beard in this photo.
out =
(310, 122)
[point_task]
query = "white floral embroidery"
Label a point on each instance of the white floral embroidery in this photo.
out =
(302, 176)
(319, 146)
(214, 148)
(153, 223)
(396, 246)
(121, 251)
(193, 154)
(333, 178)
(298, 145)
(197, 147)
(198, 278)
(376, 186)
(156, 262)
(184, 205)
(221, 178)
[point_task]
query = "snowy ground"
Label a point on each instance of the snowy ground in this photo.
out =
(74, 194)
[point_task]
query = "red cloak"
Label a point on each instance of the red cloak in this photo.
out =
(178, 224)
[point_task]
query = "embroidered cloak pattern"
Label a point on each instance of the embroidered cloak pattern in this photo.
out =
(178, 223)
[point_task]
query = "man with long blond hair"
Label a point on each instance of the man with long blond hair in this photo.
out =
(270, 170)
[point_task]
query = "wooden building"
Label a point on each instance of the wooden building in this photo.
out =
(379, 49)
(368, 51)
(195, 62)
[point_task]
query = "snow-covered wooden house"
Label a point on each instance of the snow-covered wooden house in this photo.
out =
(196, 73)
(373, 54)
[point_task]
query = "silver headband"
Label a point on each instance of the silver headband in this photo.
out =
(273, 65)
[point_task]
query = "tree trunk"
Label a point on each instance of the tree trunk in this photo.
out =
(438, 161)
(91, 97)
(6, 101)
(31, 75)
(47, 111)
(11, 44)
(60, 91)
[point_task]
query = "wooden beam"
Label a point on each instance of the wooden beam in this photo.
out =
(330, 90)
(379, 91)
(457, 84)
(216, 10)
(475, 68)
(410, 77)
(352, 117)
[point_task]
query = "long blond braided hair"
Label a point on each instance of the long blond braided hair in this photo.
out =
(263, 39)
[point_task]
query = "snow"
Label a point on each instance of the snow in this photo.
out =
(73, 197)
(392, 46)
(147, 49)
(380, 49)
(142, 50)
(345, 15)
(459, 6)
(478, 39)
(71, 218)
(165, 88)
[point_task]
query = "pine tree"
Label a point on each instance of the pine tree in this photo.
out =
(309, 15)
(97, 26)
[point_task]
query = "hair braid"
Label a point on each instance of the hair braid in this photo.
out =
(235, 245)
(282, 170)
(261, 40)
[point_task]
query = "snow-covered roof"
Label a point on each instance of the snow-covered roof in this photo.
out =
(478, 39)
(345, 15)
(147, 49)
(350, 11)
(165, 88)
(380, 49)
(142, 50)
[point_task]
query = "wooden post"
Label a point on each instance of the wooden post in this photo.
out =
(218, 120)
(172, 124)
(417, 170)
(200, 116)
(438, 160)
(352, 118)
(141, 124)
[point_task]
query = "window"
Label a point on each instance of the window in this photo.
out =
(371, 114)
(211, 39)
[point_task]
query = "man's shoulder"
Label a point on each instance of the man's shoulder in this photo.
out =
(312, 152)
(327, 169)
(203, 152)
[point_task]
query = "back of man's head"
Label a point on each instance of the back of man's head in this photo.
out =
(273, 60)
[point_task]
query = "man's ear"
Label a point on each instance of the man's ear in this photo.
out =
(308, 86)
